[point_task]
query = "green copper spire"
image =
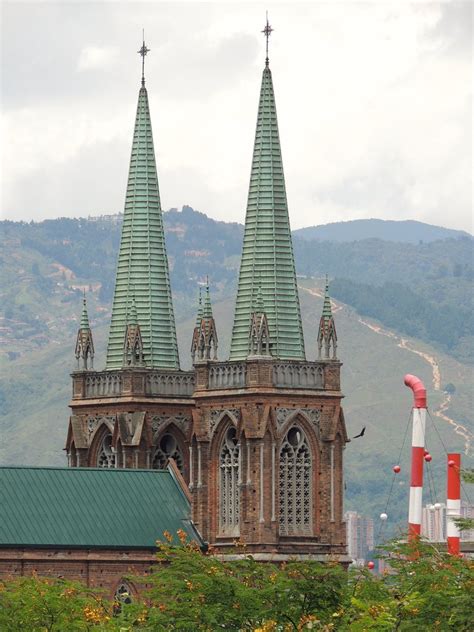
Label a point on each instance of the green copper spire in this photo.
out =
(84, 315)
(207, 312)
(327, 311)
(142, 269)
(267, 257)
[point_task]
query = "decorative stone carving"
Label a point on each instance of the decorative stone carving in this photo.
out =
(216, 416)
(180, 420)
(94, 421)
(313, 414)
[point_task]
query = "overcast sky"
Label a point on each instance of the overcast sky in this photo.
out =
(374, 106)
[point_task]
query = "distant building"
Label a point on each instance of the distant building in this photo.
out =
(360, 535)
(433, 526)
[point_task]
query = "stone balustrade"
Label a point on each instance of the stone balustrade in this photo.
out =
(227, 375)
(146, 383)
(217, 376)
(298, 375)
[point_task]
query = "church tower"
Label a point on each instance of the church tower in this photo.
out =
(137, 412)
(268, 428)
(258, 438)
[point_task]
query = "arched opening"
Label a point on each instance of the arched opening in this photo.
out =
(122, 596)
(295, 485)
(105, 453)
(168, 447)
(229, 483)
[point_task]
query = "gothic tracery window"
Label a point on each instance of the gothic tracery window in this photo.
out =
(295, 492)
(105, 456)
(168, 448)
(229, 479)
(123, 593)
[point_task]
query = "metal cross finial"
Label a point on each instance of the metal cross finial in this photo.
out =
(143, 51)
(267, 31)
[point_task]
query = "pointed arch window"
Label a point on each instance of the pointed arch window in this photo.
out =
(229, 483)
(167, 448)
(106, 455)
(295, 488)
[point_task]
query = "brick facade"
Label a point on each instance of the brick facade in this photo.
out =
(103, 569)
(262, 406)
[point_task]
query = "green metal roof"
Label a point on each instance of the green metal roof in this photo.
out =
(267, 256)
(142, 268)
(88, 507)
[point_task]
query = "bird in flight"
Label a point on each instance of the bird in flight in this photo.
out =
(361, 433)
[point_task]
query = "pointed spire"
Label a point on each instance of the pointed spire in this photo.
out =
(207, 313)
(259, 308)
(84, 315)
(204, 342)
(267, 255)
(327, 311)
(199, 309)
(142, 268)
(327, 335)
(259, 340)
(132, 316)
(84, 351)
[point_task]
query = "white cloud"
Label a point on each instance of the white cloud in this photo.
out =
(373, 104)
(97, 57)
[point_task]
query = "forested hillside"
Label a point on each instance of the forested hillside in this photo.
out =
(423, 290)
(417, 290)
(403, 231)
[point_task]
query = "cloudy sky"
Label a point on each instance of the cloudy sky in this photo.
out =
(374, 106)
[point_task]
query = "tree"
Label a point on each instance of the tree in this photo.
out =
(464, 524)
(425, 589)
(50, 605)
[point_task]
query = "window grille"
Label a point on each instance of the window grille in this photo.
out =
(168, 448)
(106, 457)
(229, 477)
(295, 492)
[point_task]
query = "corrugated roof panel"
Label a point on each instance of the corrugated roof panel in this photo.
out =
(86, 507)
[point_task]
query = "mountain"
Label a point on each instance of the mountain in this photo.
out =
(405, 231)
(382, 289)
(422, 290)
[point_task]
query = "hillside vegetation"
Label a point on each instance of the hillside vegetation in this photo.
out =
(424, 290)
(46, 267)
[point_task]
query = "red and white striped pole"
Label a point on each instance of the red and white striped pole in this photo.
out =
(417, 454)
(453, 505)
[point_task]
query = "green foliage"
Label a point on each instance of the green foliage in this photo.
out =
(191, 591)
(400, 308)
(39, 604)
(465, 524)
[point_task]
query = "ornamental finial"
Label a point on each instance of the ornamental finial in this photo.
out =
(143, 52)
(267, 31)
